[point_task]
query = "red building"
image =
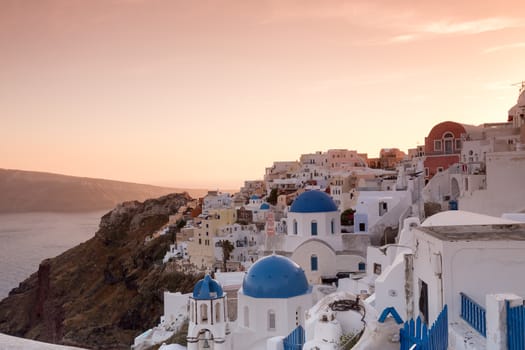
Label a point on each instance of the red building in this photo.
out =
(443, 146)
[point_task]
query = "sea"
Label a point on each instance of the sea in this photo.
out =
(28, 238)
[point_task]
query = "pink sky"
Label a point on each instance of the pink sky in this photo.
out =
(209, 93)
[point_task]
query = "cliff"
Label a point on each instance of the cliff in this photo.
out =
(30, 191)
(105, 291)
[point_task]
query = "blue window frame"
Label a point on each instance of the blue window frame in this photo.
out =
(314, 228)
(313, 263)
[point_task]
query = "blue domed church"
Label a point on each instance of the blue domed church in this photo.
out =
(314, 240)
(208, 317)
(270, 304)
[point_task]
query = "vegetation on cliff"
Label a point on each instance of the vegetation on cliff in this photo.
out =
(107, 290)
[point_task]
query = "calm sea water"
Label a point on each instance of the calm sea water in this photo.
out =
(27, 239)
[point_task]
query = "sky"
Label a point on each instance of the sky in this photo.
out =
(207, 94)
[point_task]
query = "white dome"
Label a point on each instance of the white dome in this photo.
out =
(460, 217)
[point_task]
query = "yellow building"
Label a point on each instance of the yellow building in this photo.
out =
(201, 249)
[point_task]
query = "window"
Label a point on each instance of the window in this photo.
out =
(377, 269)
(313, 263)
(423, 301)
(383, 208)
(448, 146)
(458, 144)
(271, 320)
(362, 227)
(246, 317)
(427, 172)
(361, 266)
(314, 228)
(439, 169)
(217, 312)
(295, 227)
(448, 139)
(200, 241)
(332, 226)
(204, 313)
(437, 145)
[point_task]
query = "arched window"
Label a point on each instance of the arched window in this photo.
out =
(448, 142)
(246, 317)
(294, 227)
(204, 313)
(313, 263)
(314, 228)
(271, 320)
(332, 226)
(217, 312)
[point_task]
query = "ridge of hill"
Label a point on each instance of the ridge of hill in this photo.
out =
(105, 291)
(31, 191)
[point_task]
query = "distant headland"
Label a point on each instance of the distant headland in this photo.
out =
(31, 191)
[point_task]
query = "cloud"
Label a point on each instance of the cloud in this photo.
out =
(505, 47)
(472, 27)
(404, 38)
(389, 24)
(447, 27)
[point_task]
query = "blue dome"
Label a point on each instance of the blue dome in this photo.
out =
(313, 202)
(264, 206)
(207, 288)
(275, 276)
(254, 197)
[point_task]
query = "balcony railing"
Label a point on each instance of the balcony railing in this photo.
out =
(474, 314)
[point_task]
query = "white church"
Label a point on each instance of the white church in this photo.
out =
(271, 304)
(315, 242)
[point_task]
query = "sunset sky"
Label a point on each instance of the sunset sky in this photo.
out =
(209, 93)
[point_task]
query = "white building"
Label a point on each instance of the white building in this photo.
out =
(490, 174)
(177, 251)
(246, 240)
(175, 314)
(272, 301)
(314, 239)
(216, 200)
(452, 258)
(271, 304)
(208, 317)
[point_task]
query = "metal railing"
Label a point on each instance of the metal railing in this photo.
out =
(474, 314)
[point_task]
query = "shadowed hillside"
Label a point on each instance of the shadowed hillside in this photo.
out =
(29, 191)
(106, 291)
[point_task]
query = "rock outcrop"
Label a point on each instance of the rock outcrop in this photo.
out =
(105, 291)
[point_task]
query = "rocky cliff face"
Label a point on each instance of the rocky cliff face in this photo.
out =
(104, 292)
